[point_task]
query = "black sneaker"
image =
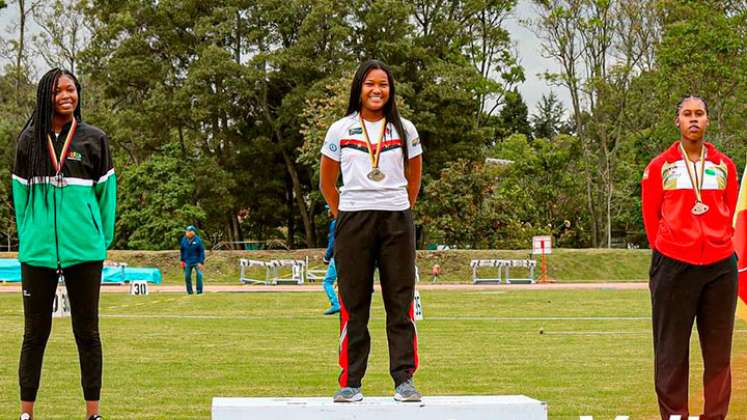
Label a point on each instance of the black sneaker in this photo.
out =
(96, 417)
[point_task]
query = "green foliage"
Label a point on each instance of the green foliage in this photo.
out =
(163, 185)
(513, 118)
(534, 189)
(457, 204)
(704, 52)
(15, 108)
(548, 120)
(242, 92)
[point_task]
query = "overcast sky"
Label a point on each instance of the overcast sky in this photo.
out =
(526, 43)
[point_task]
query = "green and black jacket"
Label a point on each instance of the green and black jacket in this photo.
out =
(70, 221)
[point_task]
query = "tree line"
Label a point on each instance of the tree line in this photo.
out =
(216, 110)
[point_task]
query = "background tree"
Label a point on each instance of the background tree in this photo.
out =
(64, 34)
(216, 110)
(548, 119)
(513, 117)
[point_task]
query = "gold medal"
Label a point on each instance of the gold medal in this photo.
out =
(375, 174)
(699, 208)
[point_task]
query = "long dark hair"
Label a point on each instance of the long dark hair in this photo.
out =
(37, 162)
(390, 108)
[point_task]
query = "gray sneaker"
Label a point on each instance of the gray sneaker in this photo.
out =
(348, 394)
(406, 392)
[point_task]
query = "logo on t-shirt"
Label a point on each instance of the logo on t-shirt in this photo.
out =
(332, 147)
(415, 141)
(355, 130)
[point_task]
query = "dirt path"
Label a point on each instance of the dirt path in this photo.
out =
(15, 288)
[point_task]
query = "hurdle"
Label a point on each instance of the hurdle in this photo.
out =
(503, 271)
(508, 407)
(247, 264)
(527, 264)
(298, 272)
(497, 264)
(314, 275)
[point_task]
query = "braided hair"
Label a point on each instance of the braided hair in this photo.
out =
(687, 97)
(40, 125)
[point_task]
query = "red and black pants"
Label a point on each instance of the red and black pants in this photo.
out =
(83, 282)
(365, 240)
(683, 294)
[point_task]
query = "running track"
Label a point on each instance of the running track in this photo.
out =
(16, 287)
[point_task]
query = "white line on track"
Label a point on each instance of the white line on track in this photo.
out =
(540, 318)
(597, 333)
(611, 332)
(450, 318)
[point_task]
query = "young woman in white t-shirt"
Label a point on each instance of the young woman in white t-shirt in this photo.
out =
(380, 157)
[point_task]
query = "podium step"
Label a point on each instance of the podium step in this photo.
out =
(508, 407)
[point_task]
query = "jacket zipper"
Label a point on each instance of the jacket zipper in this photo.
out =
(58, 178)
(700, 222)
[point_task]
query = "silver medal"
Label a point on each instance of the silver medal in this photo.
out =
(376, 175)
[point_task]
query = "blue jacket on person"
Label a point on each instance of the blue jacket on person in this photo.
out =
(331, 242)
(193, 252)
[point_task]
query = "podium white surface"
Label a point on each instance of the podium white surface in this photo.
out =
(509, 407)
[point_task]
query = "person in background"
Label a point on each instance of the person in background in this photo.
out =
(192, 257)
(331, 276)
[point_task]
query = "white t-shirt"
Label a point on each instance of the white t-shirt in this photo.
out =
(346, 144)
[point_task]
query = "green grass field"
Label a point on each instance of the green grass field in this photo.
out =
(565, 265)
(167, 355)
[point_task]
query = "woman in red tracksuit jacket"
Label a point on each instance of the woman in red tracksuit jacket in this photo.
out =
(689, 194)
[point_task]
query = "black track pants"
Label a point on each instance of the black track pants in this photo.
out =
(39, 286)
(363, 241)
(681, 294)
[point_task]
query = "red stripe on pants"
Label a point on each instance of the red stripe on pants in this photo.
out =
(414, 339)
(343, 358)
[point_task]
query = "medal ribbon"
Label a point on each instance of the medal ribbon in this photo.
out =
(65, 148)
(374, 157)
(693, 173)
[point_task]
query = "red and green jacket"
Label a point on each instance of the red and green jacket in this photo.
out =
(667, 198)
(70, 221)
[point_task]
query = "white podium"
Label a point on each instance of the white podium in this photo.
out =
(509, 407)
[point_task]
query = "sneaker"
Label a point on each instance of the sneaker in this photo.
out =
(332, 310)
(348, 394)
(96, 417)
(406, 392)
(25, 416)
